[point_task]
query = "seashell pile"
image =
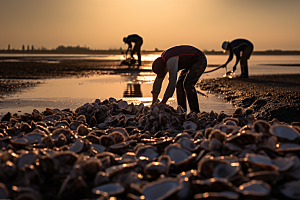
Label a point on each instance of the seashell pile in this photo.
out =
(115, 150)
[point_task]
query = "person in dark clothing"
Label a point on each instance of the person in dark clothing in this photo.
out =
(235, 47)
(138, 41)
(192, 63)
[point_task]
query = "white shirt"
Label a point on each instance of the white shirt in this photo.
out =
(172, 68)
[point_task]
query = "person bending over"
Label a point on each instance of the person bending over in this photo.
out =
(235, 47)
(138, 41)
(191, 62)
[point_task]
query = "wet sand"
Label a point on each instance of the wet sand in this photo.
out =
(41, 70)
(270, 96)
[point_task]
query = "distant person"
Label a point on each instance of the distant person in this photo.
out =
(236, 46)
(192, 63)
(138, 41)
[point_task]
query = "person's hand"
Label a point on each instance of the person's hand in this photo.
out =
(234, 68)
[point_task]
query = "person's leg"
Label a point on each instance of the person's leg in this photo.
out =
(190, 80)
(181, 97)
(137, 50)
(244, 61)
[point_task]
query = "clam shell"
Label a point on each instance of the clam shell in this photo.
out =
(26, 159)
(226, 170)
(266, 176)
(291, 189)
(189, 125)
(108, 189)
(214, 184)
(122, 104)
(261, 126)
(77, 146)
(119, 168)
(217, 195)
(155, 169)
(34, 137)
(284, 132)
(118, 146)
(121, 130)
(98, 147)
(187, 144)
(161, 189)
(179, 155)
(261, 161)
(287, 147)
(19, 142)
(255, 188)
(147, 151)
(112, 100)
(284, 163)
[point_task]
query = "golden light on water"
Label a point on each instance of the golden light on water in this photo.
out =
(150, 57)
(147, 79)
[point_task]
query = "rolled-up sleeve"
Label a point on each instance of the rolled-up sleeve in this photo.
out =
(172, 67)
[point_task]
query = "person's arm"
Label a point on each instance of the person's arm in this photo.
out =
(229, 58)
(238, 57)
(156, 88)
(172, 67)
(129, 47)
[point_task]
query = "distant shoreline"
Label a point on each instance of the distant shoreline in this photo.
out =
(267, 52)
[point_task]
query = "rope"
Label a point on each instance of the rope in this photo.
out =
(213, 69)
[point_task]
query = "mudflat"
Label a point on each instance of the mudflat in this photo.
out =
(12, 72)
(270, 96)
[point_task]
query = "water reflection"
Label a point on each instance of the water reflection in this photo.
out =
(133, 90)
(130, 85)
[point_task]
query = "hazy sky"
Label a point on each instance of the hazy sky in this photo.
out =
(101, 24)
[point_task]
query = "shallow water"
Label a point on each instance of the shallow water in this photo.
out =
(132, 87)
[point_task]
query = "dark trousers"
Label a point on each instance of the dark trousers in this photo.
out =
(137, 49)
(185, 87)
(244, 60)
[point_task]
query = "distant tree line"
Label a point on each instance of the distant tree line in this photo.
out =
(79, 49)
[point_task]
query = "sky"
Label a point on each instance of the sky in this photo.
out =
(102, 24)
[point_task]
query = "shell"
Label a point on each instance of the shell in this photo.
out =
(187, 144)
(161, 189)
(261, 161)
(217, 195)
(255, 188)
(179, 155)
(189, 125)
(226, 170)
(121, 130)
(77, 146)
(291, 189)
(108, 189)
(147, 151)
(285, 132)
(155, 169)
(287, 147)
(122, 104)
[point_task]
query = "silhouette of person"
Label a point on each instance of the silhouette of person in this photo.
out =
(235, 47)
(138, 41)
(192, 63)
